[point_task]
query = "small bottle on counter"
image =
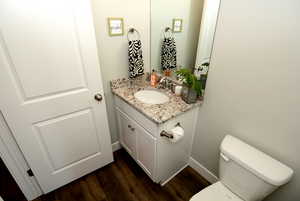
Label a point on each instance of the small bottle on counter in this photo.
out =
(178, 90)
(153, 78)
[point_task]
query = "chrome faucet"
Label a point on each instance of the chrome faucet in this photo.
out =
(164, 83)
(162, 80)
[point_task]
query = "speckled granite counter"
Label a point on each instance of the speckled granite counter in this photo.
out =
(159, 113)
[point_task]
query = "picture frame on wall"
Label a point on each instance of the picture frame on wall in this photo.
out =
(177, 25)
(115, 26)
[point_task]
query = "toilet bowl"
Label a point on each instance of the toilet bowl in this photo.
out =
(246, 174)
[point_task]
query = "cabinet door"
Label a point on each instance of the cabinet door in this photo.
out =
(146, 150)
(127, 134)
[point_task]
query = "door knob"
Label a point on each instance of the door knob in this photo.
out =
(98, 97)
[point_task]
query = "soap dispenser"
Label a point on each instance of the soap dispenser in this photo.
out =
(153, 78)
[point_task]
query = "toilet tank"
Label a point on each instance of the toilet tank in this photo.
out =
(248, 172)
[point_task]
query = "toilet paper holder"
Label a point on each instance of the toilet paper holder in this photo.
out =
(168, 135)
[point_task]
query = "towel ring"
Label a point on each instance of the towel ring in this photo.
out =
(168, 30)
(132, 31)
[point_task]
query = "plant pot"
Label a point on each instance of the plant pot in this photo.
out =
(189, 95)
(203, 79)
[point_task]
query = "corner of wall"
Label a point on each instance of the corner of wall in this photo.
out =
(203, 171)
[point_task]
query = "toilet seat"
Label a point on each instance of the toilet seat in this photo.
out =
(216, 192)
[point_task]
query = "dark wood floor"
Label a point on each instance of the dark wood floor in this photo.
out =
(9, 190)
(124, 180)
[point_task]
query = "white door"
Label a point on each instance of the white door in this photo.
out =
(49, 75)
(207, 31)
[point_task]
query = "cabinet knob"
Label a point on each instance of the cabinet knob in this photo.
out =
(129, 126)
(132, 129)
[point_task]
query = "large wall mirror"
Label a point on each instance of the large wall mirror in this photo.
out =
(182, 33)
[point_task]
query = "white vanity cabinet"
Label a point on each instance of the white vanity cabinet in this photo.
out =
(156, 155)
(137, 141)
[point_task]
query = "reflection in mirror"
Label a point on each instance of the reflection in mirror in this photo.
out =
(182, 34)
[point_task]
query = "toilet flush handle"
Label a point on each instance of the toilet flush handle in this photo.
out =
(224, 157)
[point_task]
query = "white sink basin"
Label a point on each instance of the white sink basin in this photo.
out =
(151, 97)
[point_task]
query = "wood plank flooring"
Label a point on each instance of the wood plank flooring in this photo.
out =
(9, 189)
(124, 180)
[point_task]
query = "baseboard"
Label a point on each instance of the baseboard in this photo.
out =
(203, 171)
(176, 173)
(116, 146)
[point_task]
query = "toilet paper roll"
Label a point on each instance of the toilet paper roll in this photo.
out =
(178, 133)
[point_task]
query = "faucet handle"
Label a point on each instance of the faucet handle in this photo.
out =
(162, 79)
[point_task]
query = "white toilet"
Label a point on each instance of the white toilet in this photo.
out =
(246, 174)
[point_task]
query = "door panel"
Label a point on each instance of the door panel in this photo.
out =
(49, 76)
(52, 35)
(128, 137)
(73, 135)
(146, 149)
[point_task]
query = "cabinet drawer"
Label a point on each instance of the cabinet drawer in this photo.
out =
(149, 125)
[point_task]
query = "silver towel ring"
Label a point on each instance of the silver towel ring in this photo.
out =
(132, 31)
(168, 30)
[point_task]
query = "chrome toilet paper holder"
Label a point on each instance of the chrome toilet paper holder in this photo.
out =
(168, 135)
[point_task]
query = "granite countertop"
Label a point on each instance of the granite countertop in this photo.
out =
(159, 113)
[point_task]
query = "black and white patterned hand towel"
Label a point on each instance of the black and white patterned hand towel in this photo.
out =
(168, 53)
(136, 62)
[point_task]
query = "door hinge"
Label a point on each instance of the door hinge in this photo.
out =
(30, 173)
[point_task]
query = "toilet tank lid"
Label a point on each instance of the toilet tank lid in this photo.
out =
(257, 162)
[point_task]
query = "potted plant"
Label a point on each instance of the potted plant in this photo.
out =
(192, 88)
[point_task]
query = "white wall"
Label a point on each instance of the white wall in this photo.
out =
(112, 51)
(253, 85)
(162, 15)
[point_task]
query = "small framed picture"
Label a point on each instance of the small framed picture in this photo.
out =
(115, 26)
(177, 25)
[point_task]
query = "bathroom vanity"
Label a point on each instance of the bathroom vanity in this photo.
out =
(142, 124)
